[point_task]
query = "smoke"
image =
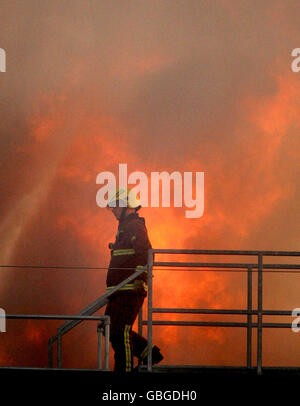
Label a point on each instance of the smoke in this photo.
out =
(186, 86)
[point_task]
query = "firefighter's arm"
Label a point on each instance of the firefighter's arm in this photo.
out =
(140, 243)
(137, 246)
(119, 257)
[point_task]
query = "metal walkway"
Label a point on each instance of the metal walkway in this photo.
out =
(257, 265)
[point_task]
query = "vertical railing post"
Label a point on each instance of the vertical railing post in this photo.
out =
(140, 321)
(106, 346)
(259, 313)
(59, 349)
(99, 347)
(50, 352)
(249, 318)
(140, 326)
(149, 324)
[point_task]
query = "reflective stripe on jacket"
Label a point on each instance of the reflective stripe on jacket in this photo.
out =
(131, 286)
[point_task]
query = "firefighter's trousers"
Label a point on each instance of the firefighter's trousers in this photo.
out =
(123, 308)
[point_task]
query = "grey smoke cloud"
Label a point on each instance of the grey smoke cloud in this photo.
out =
(172, 85)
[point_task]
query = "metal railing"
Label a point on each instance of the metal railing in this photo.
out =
(259, 266)
(105, 322)
(249, 267)
(85, 314)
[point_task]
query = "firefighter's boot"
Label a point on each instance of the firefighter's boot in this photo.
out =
(156, 356)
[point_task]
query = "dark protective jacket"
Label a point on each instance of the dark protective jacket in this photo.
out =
(130, 250)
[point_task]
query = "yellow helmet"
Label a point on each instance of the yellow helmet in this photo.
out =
(123, 198)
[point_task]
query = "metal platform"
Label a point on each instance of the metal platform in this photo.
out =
(158, 372)
(254, 320)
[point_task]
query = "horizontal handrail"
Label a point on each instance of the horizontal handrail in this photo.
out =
(87, 311)
(214, 324)
(100, 302)
(222, 311)
(223, 265)
(53, 317)
(224, 252)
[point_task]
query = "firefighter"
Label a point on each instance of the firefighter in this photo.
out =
(128, 253)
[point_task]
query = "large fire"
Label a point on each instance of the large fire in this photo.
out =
(60, 198)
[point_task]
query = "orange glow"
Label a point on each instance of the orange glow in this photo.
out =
(33, 333)
(240, 193)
